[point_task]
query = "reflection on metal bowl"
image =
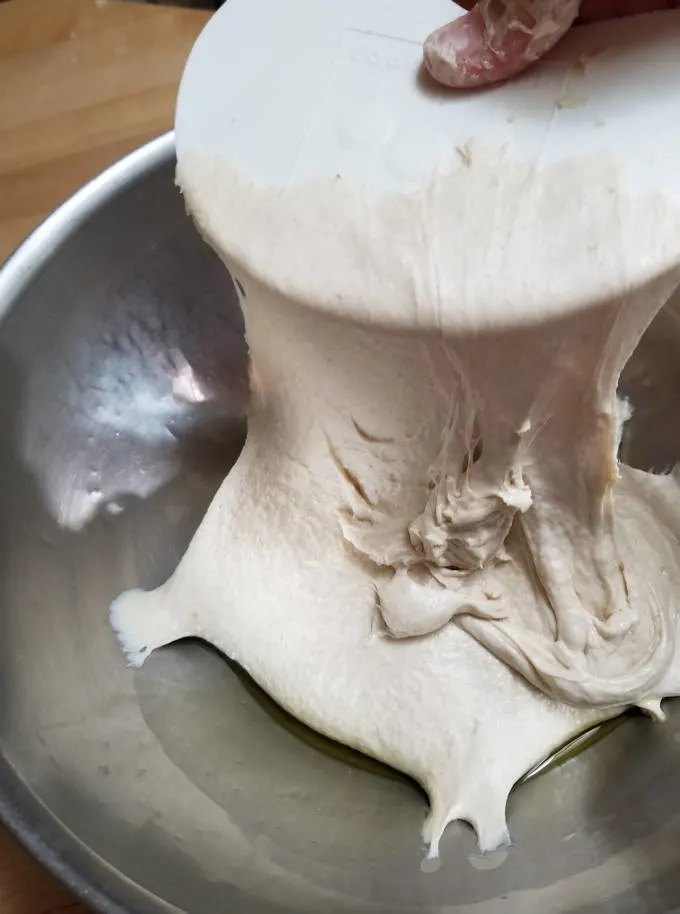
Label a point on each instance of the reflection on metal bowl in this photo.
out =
(123, 390)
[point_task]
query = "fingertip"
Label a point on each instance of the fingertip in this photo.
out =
(457, 55)
(479, 49)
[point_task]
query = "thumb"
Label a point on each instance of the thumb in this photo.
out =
(497, 40)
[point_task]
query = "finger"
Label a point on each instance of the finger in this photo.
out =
(593, 10)
(496, 40)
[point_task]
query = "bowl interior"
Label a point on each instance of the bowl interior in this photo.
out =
(123, 389)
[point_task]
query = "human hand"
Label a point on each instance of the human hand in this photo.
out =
(498, 39)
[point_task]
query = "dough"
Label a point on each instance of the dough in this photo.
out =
(427, 549)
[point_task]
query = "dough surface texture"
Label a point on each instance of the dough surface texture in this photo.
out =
(428, 549)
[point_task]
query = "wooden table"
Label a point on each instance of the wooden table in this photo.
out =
(81, 83)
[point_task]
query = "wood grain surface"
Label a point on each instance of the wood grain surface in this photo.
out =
(82, 82)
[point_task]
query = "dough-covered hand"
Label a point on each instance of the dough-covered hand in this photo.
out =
(498, 39)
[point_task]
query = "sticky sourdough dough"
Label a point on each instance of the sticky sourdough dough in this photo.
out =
(428, 549)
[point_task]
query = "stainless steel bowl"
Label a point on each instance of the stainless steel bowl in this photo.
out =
(122, 397)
